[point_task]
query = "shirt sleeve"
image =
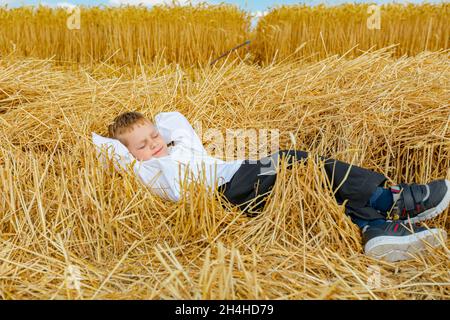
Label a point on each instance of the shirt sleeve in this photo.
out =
(173, 126)
(158, 182)
(149, 172)
(113, 149)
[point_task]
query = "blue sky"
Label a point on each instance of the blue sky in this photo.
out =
(248, 5)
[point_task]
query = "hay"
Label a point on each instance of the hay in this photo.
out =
(125, 35)
(322, 30)
(73, 229)
(197, 34)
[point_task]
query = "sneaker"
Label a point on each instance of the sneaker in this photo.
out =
(419, 202)
(394, 241)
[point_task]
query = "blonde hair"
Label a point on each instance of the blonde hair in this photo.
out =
(125, 122)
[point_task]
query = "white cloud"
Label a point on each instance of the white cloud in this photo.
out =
(66, 5)
(4, 2)
(259, 14)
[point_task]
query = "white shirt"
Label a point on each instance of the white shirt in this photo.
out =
(188, 156)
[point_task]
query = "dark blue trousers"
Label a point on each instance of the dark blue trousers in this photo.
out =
(254, 180)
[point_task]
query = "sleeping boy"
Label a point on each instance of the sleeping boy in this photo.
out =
(169, 150)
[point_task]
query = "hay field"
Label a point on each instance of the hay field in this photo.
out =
(129, 35)
(73, 229)
(195, 35)
(320, 31)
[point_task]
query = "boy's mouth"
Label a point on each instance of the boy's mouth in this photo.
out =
(159, 150)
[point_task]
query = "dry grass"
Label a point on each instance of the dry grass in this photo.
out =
(197, 34)
(320, 31)
(61, 210)
(185, 34)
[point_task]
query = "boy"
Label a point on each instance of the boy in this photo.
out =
(243, 184)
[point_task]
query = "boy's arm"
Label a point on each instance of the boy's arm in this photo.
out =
(149, 173)
(173, 126)
(154, 179)
(113, 149)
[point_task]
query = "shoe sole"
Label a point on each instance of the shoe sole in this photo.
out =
(435, 211)
(400, 248)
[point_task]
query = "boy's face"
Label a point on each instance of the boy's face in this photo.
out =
(144, 142)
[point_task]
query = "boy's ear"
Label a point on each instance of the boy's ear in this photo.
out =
(122, 140)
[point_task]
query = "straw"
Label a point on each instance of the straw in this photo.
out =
(74, 229)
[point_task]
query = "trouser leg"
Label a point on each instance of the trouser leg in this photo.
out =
(351, 182)
(255, 178)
